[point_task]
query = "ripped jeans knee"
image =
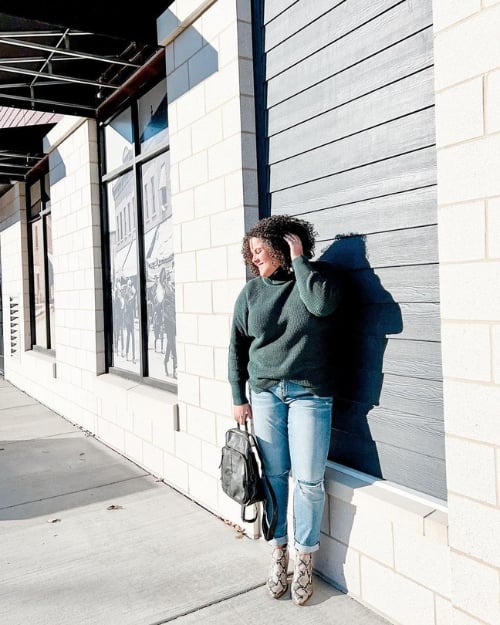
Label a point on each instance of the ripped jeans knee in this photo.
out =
(308, 506)
(312, 490)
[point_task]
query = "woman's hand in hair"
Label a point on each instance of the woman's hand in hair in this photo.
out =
(295, 244)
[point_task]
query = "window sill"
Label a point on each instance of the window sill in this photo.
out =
(138, 380)
(130, 382)
(45, 359)
(139, 399)
(43, 351)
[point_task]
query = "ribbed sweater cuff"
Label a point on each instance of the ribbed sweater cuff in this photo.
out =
(239, 394)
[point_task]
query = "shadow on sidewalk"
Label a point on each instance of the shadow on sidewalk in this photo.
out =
(38, 475)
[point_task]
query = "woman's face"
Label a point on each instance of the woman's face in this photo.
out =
(262, 258)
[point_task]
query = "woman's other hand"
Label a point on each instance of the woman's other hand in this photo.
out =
(242, 413)
(295, 244)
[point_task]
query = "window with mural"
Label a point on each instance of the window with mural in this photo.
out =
(140, 275)
(41, 270)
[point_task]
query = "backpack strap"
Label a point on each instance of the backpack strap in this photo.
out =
(244, 509)
(268, 528)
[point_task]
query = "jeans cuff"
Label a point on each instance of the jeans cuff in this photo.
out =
(279, 542)
(305, 549)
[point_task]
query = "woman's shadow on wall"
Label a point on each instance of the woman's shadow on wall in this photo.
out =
(365, 318)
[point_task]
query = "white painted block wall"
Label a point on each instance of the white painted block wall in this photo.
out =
(214, 196)
(467, 62)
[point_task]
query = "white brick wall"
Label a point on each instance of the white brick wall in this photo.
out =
(398, 598)
(466, 48)
(443, 611)
(14, 253)
(387, 546)
(495, 332)
(493, 220)
(468, 348)
(77, 253)
(478, 599)
(472, 411)
(467, 284)
(477, 530)
(424, 561)
(462, 122)
(476, 478)
(467, 71)
(449, 12)
(211, 123)
(465, 228)
(458, 617)
(356, 527)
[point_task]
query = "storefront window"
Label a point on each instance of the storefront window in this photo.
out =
(152, 112)
(139, 240)
(124, 275)
(41, 263)
(119, 140)
(160, 282)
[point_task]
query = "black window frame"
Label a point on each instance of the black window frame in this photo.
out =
(139, 158)
(39, 175)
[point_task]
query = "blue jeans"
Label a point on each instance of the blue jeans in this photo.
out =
(292, 427)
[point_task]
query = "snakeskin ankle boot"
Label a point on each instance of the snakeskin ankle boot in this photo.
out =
(302, 586)
(277, 583)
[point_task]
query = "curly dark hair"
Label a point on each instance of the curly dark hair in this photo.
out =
(272, 230)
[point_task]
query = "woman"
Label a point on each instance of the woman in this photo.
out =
(280, 348)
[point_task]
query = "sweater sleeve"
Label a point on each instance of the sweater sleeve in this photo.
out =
(239, 352)
(318, 287)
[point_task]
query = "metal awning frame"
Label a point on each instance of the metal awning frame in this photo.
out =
(57, 59)
(45, 76)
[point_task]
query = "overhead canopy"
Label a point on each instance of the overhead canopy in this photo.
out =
(136, 22)
(59, 58)
(74, 58)
(21, 149)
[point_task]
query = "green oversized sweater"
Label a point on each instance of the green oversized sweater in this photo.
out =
(281, 330)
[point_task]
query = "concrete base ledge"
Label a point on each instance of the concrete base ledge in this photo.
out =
(140, 398)
(387, 547)
(424, 515)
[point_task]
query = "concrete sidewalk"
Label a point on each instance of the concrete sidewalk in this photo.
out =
(88, 537)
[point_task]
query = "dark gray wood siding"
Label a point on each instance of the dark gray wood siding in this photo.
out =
(347, 141)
